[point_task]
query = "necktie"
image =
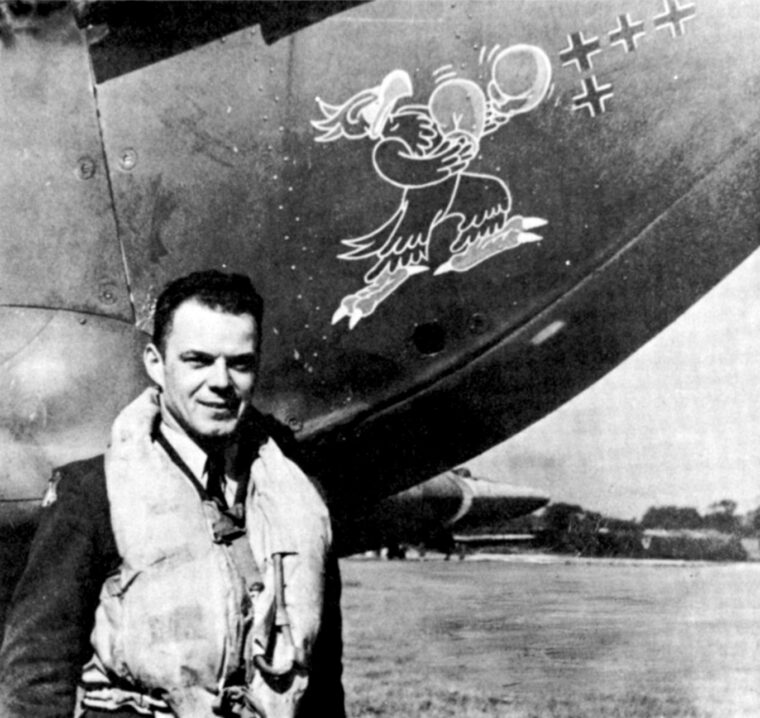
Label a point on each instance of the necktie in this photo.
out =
(215, 478)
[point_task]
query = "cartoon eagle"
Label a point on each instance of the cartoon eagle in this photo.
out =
(425, 150)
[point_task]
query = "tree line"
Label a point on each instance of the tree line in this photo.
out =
(663, 532)
(721, 517)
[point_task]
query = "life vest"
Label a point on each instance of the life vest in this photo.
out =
(181, 620)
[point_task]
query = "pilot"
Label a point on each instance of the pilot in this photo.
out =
(187, 571)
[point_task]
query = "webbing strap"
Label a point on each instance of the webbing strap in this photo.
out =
(179, 461)
(228, 527)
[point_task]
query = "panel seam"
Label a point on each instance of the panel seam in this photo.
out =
(111, 194)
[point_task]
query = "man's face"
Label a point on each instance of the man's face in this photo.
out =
(207, 370)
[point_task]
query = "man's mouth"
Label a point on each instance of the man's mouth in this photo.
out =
(220, 406)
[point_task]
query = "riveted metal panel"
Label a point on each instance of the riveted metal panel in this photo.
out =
(63, 378)
(235, 155)
(218, 160)
(58, 241)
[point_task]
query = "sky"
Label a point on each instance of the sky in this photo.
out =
(677, 423)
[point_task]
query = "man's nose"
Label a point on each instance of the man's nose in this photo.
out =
(219, 377)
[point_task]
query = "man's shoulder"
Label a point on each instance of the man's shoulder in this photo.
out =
(81, 481)
(77, 495)
(84, 471)
(262, 427)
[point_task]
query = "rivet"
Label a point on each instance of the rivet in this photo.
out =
(478, 323)
(85, 168)
(108, 293)
(295, 423)
(127, 159)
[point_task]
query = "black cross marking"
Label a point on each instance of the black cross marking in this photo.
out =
(594, 98)
(674, 17)
(580, 50)
(627, 32)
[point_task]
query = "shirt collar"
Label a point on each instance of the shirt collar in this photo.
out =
(195, 458)
(188, 450)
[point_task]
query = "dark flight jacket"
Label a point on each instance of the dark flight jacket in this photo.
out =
(47, 631)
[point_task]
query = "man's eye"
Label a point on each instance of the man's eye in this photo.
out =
(242, 366)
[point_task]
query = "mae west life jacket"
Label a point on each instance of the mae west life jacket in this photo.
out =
(181, 619)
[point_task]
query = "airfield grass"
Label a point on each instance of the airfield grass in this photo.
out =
(393, 689)
(440, 639)
(442, 703)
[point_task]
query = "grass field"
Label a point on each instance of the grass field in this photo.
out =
(561, 639)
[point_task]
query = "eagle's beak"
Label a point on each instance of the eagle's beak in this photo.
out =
(395, 85)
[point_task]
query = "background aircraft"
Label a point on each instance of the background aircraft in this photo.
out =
(460, 214)
(429, 513)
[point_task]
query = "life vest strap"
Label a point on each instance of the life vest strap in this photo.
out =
(229, 531)
(98, 693)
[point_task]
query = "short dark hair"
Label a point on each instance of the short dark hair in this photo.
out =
(225, 292)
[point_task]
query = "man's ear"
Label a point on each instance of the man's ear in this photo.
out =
(154, 364)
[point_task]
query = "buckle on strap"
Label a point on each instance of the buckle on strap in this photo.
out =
(294, 658)
(239, 701)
